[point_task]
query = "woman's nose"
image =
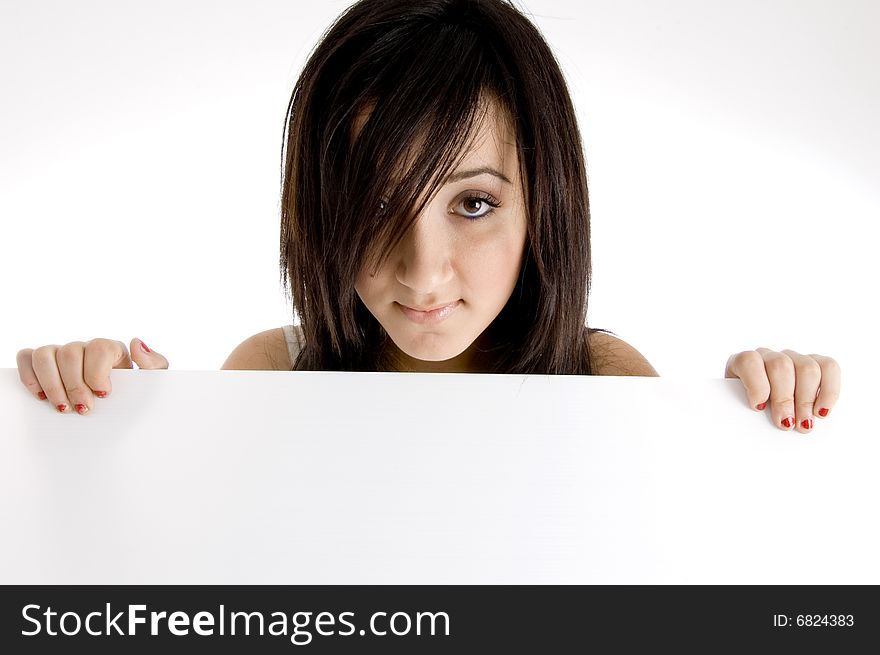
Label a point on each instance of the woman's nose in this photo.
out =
(424, 264)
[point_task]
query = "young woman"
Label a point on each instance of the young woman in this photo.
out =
(435, 217)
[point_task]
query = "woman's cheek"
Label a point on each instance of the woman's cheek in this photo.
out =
(497, 265)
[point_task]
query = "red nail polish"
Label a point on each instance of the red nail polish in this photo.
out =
(787, 422)
(81, 409)
(823, 412)
(144, 347)
(61, 408)
(762, 406)
(41, 395)
(101, 394)
(807, 424)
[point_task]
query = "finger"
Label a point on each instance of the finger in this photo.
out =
(26, 373)
(99, 358)
(781, 374)
(145, 357)
(46, 370)
(808, 375)
(829, 389)
(70, 364)
(748, 366)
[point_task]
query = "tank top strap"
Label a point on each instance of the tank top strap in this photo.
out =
(294, 337)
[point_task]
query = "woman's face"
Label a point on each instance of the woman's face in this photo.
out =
(449, 256)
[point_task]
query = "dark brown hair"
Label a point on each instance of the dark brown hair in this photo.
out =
(422, 69)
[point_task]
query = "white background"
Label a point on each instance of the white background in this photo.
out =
(732, 149)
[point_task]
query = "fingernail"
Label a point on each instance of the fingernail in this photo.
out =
(41, 395)
(823, 412)
(81, 409)
(788, 421)
(762, 406)
(61, 408)
(144, 347)
(101, 394)
(807, 424)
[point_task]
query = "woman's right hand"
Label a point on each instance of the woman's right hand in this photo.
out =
(70, 376)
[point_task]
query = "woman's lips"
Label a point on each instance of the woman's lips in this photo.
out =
(431, 317)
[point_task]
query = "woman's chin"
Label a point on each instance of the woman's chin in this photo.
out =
(429, 348)
(431, 355)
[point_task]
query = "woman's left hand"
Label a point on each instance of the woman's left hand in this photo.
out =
(790, 382)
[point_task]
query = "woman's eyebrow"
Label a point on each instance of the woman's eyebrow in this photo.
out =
(473, 172)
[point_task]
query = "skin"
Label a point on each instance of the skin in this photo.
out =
(797, 387)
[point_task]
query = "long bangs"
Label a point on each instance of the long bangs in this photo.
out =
(415, 134)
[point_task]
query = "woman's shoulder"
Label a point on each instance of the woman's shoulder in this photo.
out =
(270, 350)
(613, 356)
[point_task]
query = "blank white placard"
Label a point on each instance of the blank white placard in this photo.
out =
(251, 477)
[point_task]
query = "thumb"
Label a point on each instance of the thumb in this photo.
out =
(145, 357)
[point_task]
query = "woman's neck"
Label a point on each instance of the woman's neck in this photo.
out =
(474, 359)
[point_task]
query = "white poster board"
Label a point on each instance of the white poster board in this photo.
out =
(252, 477)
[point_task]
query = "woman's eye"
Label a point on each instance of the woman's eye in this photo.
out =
(478, 206)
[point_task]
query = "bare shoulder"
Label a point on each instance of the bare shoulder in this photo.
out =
(264, 351)
(613, 356)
